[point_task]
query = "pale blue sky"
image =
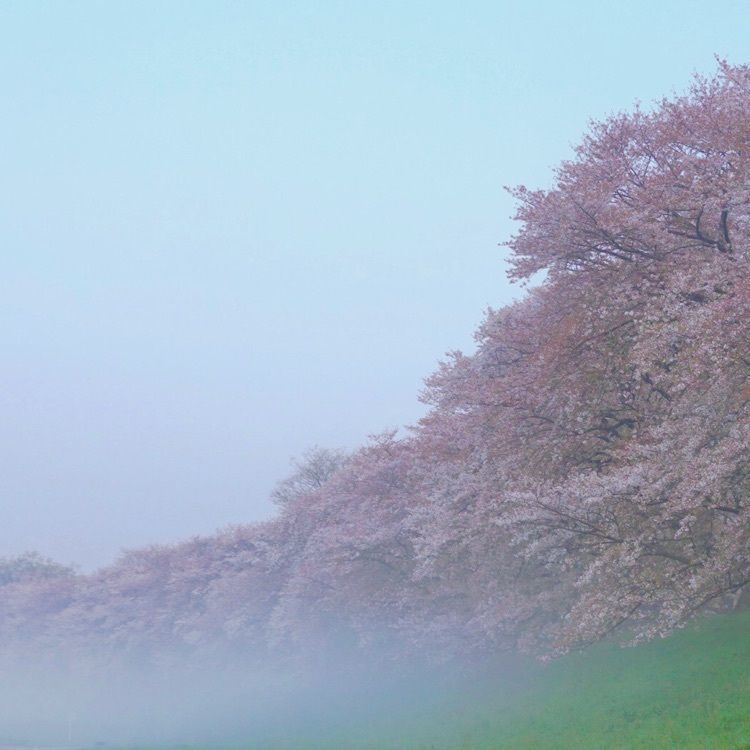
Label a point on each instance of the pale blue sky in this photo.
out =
(232, 230)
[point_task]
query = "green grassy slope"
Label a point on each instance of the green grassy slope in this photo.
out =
(691, 690)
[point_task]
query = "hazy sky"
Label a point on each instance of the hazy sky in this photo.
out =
(232, 230)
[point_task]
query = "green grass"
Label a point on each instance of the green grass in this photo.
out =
(691, 690)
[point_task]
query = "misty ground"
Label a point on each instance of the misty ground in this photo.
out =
(691, 690)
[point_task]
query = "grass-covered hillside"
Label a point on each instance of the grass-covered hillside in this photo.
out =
(691, 690)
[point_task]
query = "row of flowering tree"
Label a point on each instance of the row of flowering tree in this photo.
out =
(585, 472)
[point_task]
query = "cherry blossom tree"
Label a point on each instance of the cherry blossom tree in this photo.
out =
(310, 473)
(585, 472)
